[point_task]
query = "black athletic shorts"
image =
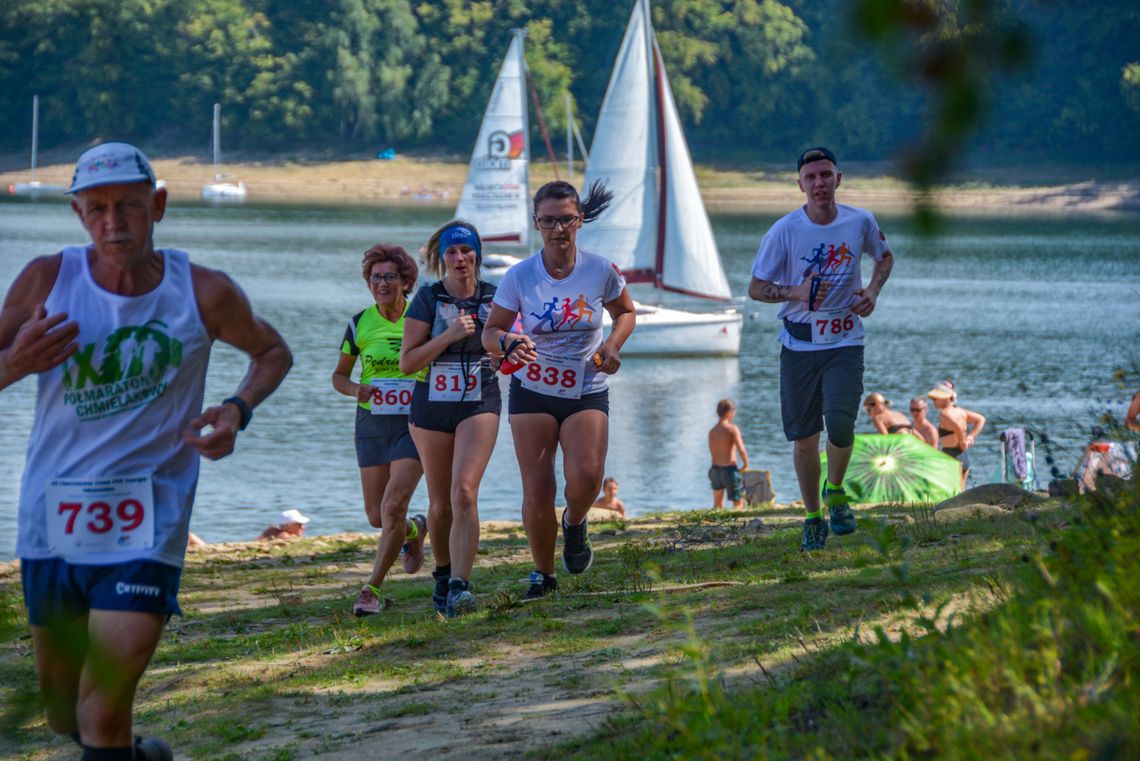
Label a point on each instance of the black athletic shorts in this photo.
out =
(445, 417)
(523, 401)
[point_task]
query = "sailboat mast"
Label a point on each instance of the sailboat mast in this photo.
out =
(217, 141)
(521, 34)
(662, 163)
(35, 132)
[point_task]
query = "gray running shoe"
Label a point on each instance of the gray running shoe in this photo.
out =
(577, 554)
(815, 535)
(842, 519)
(540, 585)
(460, 601)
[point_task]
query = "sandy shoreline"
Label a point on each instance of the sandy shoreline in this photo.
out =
(415, 180)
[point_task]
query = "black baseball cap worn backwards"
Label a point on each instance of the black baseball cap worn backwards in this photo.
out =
(815, 154)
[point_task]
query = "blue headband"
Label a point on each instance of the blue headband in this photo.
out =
(462, 236)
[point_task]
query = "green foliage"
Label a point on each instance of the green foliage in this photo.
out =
(1001, 80)
(1051, 672)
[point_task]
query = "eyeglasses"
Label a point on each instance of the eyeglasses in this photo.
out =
(387, 277)
(549, 223)
(917, 409)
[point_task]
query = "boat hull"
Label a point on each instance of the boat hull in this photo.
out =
(677, 333)
(35, 188)
(224, 190)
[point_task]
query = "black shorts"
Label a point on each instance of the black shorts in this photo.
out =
(813, 383)
(445, 417)
(523, 401)
(381, 439)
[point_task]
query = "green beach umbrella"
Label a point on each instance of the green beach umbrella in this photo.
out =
(898, 467)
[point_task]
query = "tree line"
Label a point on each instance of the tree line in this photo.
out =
(753, 79)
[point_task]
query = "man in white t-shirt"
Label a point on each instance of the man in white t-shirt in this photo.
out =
(809, 262)
(118, 334)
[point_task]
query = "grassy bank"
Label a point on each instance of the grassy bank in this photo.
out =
(694, 635)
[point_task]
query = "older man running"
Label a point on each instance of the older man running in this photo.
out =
(118, 334)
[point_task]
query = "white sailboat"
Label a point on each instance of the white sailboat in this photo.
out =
(656, 229)
(34, 187)
(496, 196)
(221, 189)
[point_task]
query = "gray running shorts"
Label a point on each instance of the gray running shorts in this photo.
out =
(381, 439)
(818, 384)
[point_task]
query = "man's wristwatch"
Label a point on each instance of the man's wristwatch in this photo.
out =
(245, 410)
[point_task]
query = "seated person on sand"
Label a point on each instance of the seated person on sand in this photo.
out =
(289, 525)
(609, 499)
(1132, 417)
(195, 541)
(1102, 457)
(885, 419)
(923, 428)
(724, 443)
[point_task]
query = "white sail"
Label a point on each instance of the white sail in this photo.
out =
(692, 259)
(496, 196)
(665, 242)
(623, 155)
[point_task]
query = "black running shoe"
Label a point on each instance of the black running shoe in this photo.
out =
(439, 592)
(577, 555)
(540, 585)
(152, 749)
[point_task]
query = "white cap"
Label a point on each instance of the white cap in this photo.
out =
(111, 164)
(290, 516)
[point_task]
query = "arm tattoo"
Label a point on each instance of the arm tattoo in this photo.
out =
(773, 293)
(883, 271)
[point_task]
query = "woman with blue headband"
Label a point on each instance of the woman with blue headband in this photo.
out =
(559, 392)
(454, 417)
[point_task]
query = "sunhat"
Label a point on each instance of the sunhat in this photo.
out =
(943, 390)
(110, 164)
(291, 516)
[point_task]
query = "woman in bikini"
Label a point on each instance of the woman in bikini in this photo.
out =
(958, 427)
(885, 419)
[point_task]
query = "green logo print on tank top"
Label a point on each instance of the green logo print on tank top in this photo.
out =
(129, 371)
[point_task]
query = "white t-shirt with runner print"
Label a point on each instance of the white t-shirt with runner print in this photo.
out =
(796, 248)
(564, 317)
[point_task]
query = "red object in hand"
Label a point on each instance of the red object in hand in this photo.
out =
(509, 368)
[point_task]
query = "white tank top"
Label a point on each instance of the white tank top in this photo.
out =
(116, 409)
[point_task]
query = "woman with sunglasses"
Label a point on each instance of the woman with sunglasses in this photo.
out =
(455, 410)
(385, 453)
(923, 428)
(559, 396)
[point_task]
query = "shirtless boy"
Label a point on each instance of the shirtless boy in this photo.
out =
(725, 442)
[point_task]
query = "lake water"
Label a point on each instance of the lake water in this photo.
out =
(1029, 314)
